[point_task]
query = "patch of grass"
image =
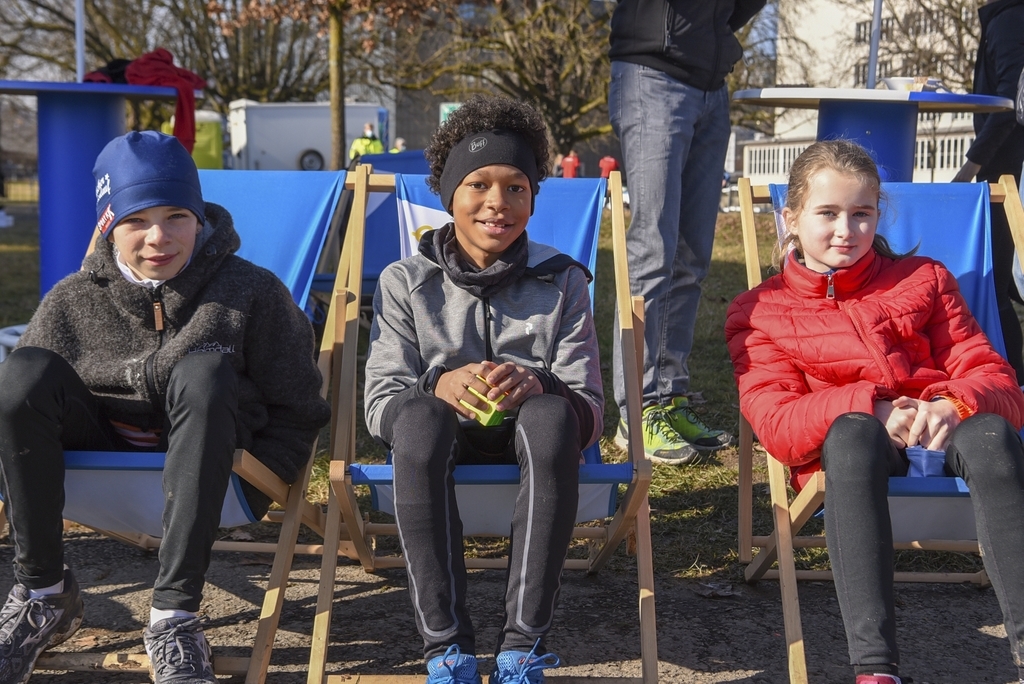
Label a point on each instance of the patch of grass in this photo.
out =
(19, 265)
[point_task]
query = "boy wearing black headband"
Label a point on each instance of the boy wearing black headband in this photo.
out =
(482, 309)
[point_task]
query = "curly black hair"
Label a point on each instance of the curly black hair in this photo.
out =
(481, 113)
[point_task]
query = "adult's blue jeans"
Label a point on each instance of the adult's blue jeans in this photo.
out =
(674, 138)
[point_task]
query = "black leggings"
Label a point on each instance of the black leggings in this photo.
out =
(427, 442)
(858, 457)
(45, 408)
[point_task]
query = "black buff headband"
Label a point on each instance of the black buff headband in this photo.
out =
(484, 148)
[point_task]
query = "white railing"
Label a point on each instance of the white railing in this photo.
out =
(769, 162)
(936, 158)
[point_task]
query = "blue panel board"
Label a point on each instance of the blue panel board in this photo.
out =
(278, 215)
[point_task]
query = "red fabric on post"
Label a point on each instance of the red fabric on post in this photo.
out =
(157, 68)
(96, 77)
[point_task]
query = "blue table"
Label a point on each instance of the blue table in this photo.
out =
(883, 121)
(75, 121)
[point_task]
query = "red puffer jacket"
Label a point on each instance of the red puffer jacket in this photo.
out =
(893, 327)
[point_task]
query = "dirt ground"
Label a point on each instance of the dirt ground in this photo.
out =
(950, 633)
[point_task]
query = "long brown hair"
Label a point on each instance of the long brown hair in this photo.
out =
(842, 156)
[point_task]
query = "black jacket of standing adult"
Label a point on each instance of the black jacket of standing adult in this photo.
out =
(999, 145)
(690, 40)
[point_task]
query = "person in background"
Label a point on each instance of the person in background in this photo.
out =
(669, 107)
(570, 164)
(399, 146)
(367, 143)
(608, 164)
(998, 149)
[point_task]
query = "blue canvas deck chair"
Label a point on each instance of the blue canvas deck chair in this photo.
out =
(119, 493)
(949, 222)
(382, 240)
(573, 210)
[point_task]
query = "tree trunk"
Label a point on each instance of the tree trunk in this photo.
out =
(336, 62)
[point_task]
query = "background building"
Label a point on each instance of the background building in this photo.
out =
(829, 45)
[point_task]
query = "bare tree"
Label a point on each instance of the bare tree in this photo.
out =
(760, 38)
(367, 20)
(550, 53)
(273, 61)
(923, 38)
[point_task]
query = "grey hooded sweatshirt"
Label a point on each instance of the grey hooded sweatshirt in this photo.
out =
(542, 321)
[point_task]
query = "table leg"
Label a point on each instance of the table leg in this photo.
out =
(73, 129)
(888, 130)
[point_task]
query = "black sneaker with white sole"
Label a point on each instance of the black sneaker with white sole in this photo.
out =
(29, 626)
(178, 652)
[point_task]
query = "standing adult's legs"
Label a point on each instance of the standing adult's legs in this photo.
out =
(202, 411)
(987, 453)
(674, 139)
(698, 214)
(547, 445)
(858, 457)
(45, 408)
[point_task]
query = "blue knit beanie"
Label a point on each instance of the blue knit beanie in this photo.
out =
(144, 169)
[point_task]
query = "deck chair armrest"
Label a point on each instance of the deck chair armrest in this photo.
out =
(253, 471)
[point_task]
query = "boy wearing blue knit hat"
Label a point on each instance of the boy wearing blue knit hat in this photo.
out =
(164, 341)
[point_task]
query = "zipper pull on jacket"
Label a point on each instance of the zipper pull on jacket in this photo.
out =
(158, 311)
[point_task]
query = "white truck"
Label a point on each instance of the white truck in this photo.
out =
(295, 135)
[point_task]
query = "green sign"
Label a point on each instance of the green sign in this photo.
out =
(447, 108)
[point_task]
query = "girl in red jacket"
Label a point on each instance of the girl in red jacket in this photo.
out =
(851, 355)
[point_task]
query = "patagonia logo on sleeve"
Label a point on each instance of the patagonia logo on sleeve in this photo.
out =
(212, 347)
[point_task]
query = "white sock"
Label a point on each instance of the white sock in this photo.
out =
(47, 591)
(156, 615)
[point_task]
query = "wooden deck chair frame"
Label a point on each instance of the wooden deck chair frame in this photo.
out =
(348, 532)
(298, 510)
(789, 516)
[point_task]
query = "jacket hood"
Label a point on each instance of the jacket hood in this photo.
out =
(543, 262)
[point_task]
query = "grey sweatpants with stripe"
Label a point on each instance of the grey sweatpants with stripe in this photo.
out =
(427, 442)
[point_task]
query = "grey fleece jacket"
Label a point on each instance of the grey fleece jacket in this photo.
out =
(220, 303)
(422, 320)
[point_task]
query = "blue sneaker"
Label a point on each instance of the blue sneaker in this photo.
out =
(520, 667)
(454, 667)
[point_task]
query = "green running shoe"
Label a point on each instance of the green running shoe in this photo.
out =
(662, 443)
(690, 427)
